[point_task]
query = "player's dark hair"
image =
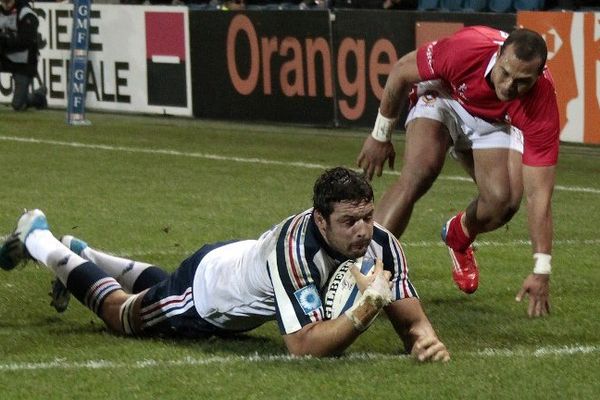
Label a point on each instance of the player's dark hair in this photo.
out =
(340, 184)
(528, 45)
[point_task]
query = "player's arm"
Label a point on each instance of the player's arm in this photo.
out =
(403, 75)
(415, 330)
(325, 338)
(332, 337)
(539, 185)
(378, 147)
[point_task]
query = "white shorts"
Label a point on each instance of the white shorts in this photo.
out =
(467, 131)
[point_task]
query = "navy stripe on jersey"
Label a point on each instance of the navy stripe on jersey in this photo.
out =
(394, 261)
(296, 249)
(166, 308)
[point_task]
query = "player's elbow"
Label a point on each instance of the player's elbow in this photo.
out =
(303, 343)
(304, 349)
(405, 70)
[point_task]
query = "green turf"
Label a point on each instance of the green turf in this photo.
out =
(157, 188)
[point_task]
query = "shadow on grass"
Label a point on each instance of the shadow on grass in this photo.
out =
(247, 343)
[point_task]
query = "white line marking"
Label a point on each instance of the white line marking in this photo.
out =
(510, 243)
(61, 363)
(252, 160)
(129, 253)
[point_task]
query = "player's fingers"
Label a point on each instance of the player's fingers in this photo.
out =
(531, 307)
(543, 307)
(433, 347)
(368, 171)
(355, 271)
(422, 344)
(538, 308)
(387, 275)
(441, 355)
(363, 281)
(520, 294)
(359, 159)
(391, 160)
(378, 266)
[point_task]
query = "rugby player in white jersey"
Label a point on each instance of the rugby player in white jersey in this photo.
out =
(237, 286)
(488, 98)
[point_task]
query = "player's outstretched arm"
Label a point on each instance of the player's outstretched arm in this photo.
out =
(378, 147)
(332, 337)
(415, 330)
(539, 185)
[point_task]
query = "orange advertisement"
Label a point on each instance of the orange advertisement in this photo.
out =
(573, 59)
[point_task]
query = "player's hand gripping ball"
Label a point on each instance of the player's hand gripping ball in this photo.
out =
(342, 292)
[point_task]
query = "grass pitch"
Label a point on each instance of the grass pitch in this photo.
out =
(156, 189)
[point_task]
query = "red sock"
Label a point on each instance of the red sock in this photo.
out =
(455, 237)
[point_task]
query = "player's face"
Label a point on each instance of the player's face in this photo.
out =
(513, 77)
(349, 229)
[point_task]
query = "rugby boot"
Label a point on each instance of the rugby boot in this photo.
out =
(12, 247)
(30, 221)
(60, 296)
(12, 252)
(465, 272)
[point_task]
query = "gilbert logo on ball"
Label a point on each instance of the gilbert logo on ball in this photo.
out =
(342, 293)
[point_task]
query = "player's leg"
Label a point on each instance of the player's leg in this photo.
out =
(88, 283)
(427, 142)
(500, 191)
(134, 276)
(430, 129)
(167, 309)
(465, 159)
(497, 171)
(499, 176)
(21, 91)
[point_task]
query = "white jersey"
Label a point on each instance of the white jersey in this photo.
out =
(241, 285)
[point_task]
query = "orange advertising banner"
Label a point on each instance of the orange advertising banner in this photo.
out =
(573, 40)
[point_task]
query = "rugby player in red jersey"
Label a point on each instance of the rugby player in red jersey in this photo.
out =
(488, 98)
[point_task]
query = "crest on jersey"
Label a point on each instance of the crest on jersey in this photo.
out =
(308, 298)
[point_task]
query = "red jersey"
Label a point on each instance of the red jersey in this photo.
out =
(462, 60)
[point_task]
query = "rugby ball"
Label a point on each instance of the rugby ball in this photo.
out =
(341, 292)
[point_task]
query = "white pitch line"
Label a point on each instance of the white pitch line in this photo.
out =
(479, 243)
(64, 364)
(510, 243)
(251, 160)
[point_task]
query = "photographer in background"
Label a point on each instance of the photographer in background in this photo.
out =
(19, 52)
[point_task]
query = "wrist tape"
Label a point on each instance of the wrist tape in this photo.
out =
(382, 131)
(542, 264)
(376, 296)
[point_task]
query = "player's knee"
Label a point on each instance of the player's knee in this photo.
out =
(501, 206)
(118, 312)
(128, 316)
(496, 198)
(509, 211)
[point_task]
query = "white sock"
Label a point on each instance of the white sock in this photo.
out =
(48, 250)
(125, 271)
